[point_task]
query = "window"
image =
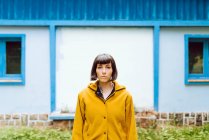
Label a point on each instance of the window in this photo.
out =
(196, 59)
(12, 59)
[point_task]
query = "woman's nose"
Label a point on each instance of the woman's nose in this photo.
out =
(103, 70)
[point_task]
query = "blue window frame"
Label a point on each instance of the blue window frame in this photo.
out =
(12, 59)
(196, 59)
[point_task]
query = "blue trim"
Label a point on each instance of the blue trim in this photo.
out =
(15, 36)
(11, 79)
(205, 75)
(62, 117)
(53, 67)
(1, 57)
(23, 58)
(3, 53)
(186, 61)
(156, 52)
(206, 58)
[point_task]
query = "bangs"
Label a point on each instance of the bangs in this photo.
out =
(103, 59)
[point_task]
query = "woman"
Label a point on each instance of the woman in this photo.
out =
(104, 109)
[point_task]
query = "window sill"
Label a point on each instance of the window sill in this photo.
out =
(11, 81)
(198, 80)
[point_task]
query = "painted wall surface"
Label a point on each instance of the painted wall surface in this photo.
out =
(132, 49)
(34, 96)
(174, 95)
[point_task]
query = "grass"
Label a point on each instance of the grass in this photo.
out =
(163, 133)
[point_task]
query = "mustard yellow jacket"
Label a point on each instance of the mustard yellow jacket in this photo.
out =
(99, 119)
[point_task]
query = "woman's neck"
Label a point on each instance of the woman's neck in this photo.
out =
(106, 86)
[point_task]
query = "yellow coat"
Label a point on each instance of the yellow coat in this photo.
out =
(99, 119)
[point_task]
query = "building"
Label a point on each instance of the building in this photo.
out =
(47, 48)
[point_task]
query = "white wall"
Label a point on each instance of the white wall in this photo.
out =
(132, 49)
(174, 95)
(34, 96)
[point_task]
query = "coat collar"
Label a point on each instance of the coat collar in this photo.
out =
(93, 86)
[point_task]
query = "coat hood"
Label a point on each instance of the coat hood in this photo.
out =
(93, 86)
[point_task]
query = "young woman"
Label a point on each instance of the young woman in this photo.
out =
(104, 109)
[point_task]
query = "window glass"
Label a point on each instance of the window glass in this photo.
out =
(13, 57)
(196, 57)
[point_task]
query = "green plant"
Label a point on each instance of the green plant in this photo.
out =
(175, 133)
(165, 133)
(26, 133)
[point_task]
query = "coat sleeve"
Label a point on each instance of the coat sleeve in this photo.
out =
(77, 133)
(130, 120)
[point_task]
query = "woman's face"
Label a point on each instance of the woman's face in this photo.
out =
(104, 72)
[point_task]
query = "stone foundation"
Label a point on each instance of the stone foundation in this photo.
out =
(145, 119)
(38, 120)
(34, 120)
(150, 118)
(62, 124)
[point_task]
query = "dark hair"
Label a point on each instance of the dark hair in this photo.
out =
(104, 59)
